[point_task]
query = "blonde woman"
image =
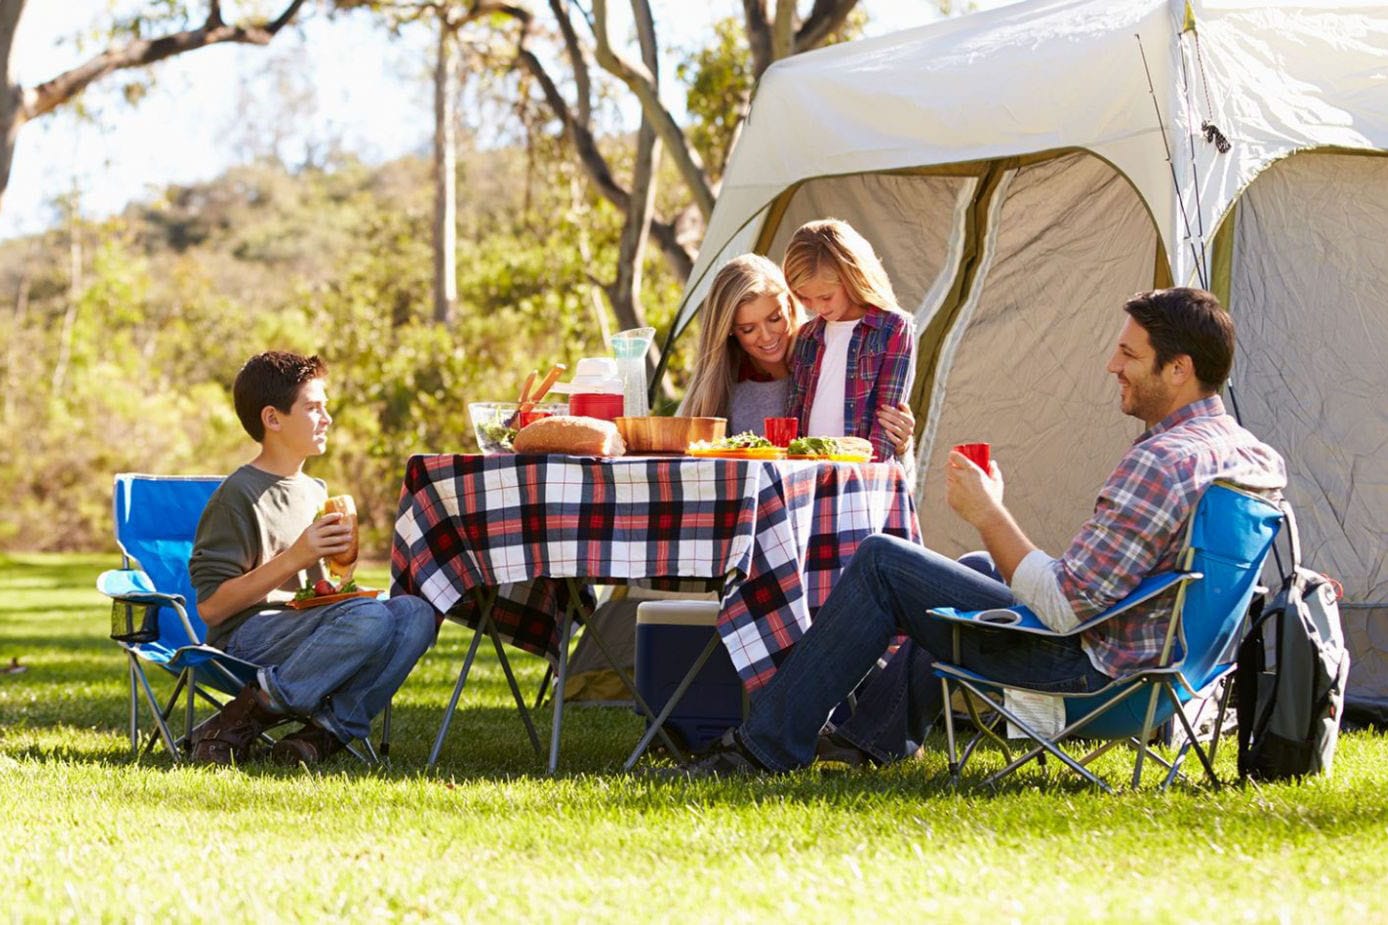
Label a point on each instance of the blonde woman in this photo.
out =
(748, 325)
(854, 362)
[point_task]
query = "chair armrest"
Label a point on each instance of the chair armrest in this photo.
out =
(133, 586)
(1027, 621)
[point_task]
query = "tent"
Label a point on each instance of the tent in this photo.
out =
(1022, 171)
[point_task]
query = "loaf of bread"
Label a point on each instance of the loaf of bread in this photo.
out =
(567, 433)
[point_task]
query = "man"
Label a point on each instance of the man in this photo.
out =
(260, 540)
(1173, 355)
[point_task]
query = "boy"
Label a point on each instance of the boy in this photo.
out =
(257, 543)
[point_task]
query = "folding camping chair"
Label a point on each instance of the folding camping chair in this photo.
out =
(1227, 540)
(154, 610)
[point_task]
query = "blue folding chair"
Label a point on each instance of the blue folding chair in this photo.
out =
(1227, 540)
(154, 616)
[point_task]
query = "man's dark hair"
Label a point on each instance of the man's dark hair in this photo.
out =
(271, 378)
(1189, 321)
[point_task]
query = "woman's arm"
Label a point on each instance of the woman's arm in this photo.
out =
(900, 424)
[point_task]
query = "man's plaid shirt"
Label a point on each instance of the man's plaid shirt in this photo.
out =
(881, 365)
(1139, 524)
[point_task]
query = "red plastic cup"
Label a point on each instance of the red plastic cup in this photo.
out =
(781, 431)
(529, 417)
(978, 453)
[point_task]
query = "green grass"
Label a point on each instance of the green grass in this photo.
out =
(88, 834)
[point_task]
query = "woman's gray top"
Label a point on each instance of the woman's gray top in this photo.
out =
(752, 402)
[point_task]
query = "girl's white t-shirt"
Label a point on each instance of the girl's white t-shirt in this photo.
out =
(826, 412)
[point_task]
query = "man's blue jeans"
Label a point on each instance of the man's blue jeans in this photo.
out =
(885, 590)
(338, 664)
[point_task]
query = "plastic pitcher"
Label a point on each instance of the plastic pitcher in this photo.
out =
(629, 347)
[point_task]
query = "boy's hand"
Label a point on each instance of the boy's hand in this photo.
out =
(326, 536)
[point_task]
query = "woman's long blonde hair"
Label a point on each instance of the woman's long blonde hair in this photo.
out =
(740, 281)
(833, 245)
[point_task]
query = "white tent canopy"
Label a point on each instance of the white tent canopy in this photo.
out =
(1022, 171)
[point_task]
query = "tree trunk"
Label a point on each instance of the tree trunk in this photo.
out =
(21, 311)
(445, 176)
(11, 95)
(74, 294)
(626, 291)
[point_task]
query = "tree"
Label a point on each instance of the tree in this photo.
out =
(450, 18)
(21, 105)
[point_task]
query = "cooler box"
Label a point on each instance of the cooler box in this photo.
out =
(669, 637)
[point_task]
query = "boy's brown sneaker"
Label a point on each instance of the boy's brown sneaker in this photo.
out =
(228, 736)
(310, 745)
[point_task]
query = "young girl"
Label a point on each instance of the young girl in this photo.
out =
(747, 326)
(857, 357)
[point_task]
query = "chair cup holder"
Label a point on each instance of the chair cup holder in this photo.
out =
(134, 624)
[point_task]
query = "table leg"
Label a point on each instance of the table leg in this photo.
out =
(544, 686)
(658, 723)
(565, 633)
(515, 688)
(486, 598)
(453, 701)
(631, 686)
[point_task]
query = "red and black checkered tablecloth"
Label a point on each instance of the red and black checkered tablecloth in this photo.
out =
(782, 531)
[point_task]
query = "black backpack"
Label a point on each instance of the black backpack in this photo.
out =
(1291, 675)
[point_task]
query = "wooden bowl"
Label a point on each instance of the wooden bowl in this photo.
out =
(668, 435)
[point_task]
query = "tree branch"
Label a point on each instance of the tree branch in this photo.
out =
(583, 85)
(759, 40)
(641, 82)
(50, 94)
(783, 31)
(625, 292)
(826, 18)
(668, 235)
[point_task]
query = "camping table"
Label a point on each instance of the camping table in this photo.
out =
(504, 543)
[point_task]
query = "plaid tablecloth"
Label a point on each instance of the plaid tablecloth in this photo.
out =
(780, 532)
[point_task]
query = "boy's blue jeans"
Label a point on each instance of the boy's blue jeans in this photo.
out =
(885, 590)
(338, 664)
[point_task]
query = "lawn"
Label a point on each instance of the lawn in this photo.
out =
(88, 834)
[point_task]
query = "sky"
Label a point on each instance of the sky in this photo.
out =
(357, 84)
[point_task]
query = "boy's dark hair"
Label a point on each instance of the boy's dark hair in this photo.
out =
(1189, 321)
(271, 378)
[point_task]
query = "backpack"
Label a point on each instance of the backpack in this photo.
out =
(1291, 675)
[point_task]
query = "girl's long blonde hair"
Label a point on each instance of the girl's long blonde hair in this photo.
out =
(833, 245)
(740, 281)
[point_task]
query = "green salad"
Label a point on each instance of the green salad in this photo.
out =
(498, 434)
(743, 441)
(813, 446)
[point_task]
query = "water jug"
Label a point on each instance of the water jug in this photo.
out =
(629, 347)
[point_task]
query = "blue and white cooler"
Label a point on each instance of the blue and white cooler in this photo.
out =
(670, 635)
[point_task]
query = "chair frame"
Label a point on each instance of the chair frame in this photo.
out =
(1167, 680)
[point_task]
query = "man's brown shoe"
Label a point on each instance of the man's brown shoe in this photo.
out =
(228, 736)
(829, 747)
(310, 745)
